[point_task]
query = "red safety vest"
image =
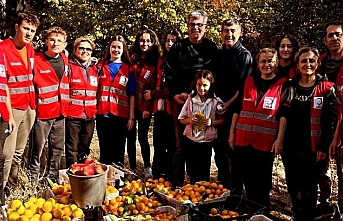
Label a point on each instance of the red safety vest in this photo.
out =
(167, 101)
(112, 96)
(316, 111)
(3, 94)
(257, 124)
(19, 77)
(146, 74)
(82, 93)
(52, 95)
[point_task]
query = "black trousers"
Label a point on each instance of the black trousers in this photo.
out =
(112, 131)
(302, 173)
(198, 160)
(164, 144)
(78, 137)
(179, 158)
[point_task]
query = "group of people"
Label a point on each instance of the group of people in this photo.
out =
(202, 98)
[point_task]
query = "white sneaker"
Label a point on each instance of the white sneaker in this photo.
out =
(147, 173)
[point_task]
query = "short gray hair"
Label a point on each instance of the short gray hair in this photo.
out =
(198, 14)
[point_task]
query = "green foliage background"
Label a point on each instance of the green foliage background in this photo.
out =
(263, 21)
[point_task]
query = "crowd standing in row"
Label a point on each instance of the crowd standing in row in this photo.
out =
(201, 97)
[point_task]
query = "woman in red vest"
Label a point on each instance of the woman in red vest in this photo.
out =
(286, 46)
(146, 53)
(163, 131)
(83, 86)
(257, 130)
(311, 123)
(116, 100)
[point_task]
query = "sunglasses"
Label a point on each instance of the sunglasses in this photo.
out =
(84, 49)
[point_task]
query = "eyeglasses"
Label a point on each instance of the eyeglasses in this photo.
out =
(337, 34)
(192, 24)
(84, 49)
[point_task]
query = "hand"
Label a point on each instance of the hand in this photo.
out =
(333, 149)
(179, 99)
(194, 121)
(277, 147)
(232, 140)
(320, 155)
(12, 126)
(147, 94)
(223, 110)
(130, 124)
(208, 122)
(146, 114)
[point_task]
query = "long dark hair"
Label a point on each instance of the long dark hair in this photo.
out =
(175, 33)
(294, 42)
(205, 74)
(125, 57)
(152, 55)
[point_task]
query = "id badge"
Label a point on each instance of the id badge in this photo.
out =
(93, 81)
(123, 80)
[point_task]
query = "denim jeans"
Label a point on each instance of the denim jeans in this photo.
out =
(51, 131)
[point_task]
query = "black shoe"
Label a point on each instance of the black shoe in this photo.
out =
(324, 211)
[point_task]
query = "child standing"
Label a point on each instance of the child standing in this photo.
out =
(199, 115)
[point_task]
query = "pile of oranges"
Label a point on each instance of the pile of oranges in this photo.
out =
(130, 205)
(196, 192)
(225, 214)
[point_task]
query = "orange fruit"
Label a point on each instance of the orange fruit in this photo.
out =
(214, 211)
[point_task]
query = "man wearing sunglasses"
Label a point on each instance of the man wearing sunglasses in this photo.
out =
(52, 99)
(332, 67)
(185, 58)
(83, 85)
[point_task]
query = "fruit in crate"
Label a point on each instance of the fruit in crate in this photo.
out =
(111, 190)
(61, 190)
(197, 192)
(224, 213)
(90, 167)
(132, 188)
(41, 210)
(158, 184)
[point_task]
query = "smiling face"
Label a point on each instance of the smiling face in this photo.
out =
(267, 63)
(145, 42)
(24, 33)
(116, 50)
(334, 38)
(286, 49)
(170, 40)
(308, 63)
(196, 29)
(55, 44)
(230, 35)
(203, 86)
(83, 51)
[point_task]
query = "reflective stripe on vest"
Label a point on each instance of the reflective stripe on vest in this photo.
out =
(260, 116)
(316, 133)
(48, 100)
(81, 102)
(83, 92)
(2, 86)
(3, 99)
(64, 86)
(48, 89)
(21, 90)
(315, 120)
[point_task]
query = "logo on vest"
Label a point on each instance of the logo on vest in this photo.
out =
(76, 80)
(123, 80)
(246, 99)
(318, 102)
(269, 103)
(93, 81)
(2, 71)
(147, 74)
(44, 71)
(15, 63)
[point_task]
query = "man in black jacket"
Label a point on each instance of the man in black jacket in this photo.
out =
(233, 65)
(185, 58)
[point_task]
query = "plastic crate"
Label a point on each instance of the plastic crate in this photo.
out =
(244, 207)
(259, 218)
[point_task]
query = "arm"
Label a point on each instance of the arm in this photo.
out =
(278, 144)
(11, 123)
(328, 125)
(131, 121)
(232, 130)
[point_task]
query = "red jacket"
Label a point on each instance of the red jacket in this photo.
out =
(82, 93)
(316, 111)
(159, 82)
(19, 77)
(146, 79)
(257, 124)
(52, 94)
(3, 94)
(112, 96)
